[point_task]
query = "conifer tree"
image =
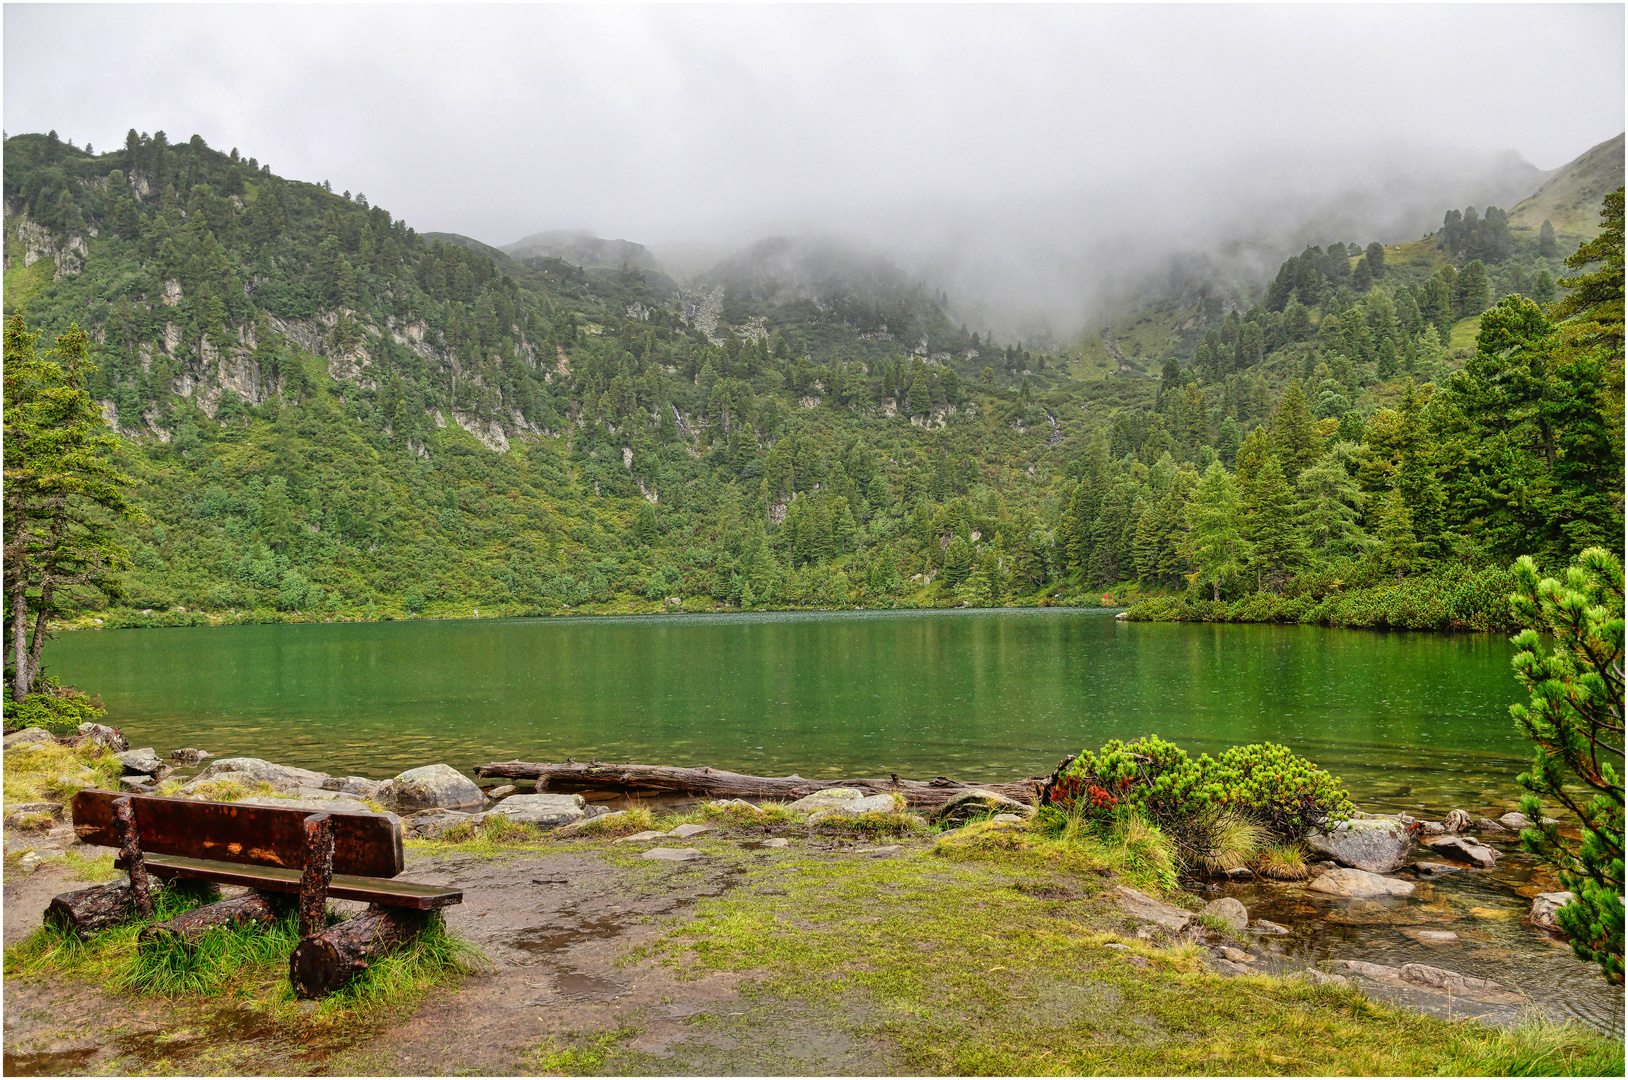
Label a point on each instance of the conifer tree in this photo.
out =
(1398, 547)
(1294, 440)
(1329, 505)
(1215, 541)
(1270, 528)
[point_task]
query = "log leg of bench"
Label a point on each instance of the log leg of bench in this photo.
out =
(130, 851)
(89, 910)
(250, 909)
(325, 961)
(319, 871)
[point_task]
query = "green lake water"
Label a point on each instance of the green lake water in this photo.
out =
(1406, 719)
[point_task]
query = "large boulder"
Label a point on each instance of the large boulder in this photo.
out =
(1546, 909)
(1347, 881)
(189, 755)
(826, 799)
(27, 737)
(549, 811)
(1460, 848)
(359, 786)
(250, 772)
(40, 814)
(976, 802)
(430, 787)
(1377, 845)
(143, 762)
(870, 804)
(110, 738)
(1229, 911)
(1143, 908)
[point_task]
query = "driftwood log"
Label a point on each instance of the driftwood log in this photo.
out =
(251, 909)
(90, 910)
(325, 961)
(716, 783)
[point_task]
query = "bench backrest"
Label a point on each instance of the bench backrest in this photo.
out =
(366, 845)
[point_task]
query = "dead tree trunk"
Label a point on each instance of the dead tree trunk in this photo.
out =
(319, 871)
(716, 783)
(94, 909)
(130, 851)
(325, 961)
(251, 909)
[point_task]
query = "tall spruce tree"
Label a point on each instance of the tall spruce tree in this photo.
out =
(1215, 543)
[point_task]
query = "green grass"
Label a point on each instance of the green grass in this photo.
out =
(32, 776)
(1465, 331)
(24, 284)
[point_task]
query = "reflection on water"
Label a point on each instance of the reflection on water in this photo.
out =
(1409, 720)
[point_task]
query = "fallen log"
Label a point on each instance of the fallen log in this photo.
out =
(325, 961)
(97, 908)
(716, 783)
(250, 909)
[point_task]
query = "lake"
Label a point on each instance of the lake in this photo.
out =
(1408, 720)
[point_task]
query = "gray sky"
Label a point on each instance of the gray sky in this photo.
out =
(938, 128)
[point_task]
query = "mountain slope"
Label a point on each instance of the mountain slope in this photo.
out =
(1570, 199)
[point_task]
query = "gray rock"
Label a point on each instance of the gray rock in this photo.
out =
(31, 860)
(826, 798)
(1466, 985)
(736, 804)
(434, 824)
(1431, 937)
(435, 786)
(29, 748)
(15, 812)
(1116, 945)
(78, 783)
(1237, 956)
(1371, 971)
(977, 802)
(1377, 845)
(684, 832)
(138, 784)
(315, 806)
(27, 737)
(1319, 978)
(1487, 825)
(576, 826)
(870, 804)
(1239, 873)
(1230, 911)
(1435, 869)
(1006, 818)
(1432, 828)
(1515, 820)
(641, 837)
(1347, 881)
(189, 755)
(776, 842)
(1546, 908)
(1267, 926)
(251, 772)
(1459, 847)
(323, 793)
(143, 761)
(1456, 821)
(548, 811)
(502, 791)
(667, 854)
(356, 785)
(1144, 908)
(109, 737)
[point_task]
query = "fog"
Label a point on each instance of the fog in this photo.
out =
(1030, 160)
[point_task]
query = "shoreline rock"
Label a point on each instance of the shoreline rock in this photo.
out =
(1376, 845)
(1351, 882)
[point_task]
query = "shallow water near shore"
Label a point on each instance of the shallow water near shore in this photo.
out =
(1415, 722)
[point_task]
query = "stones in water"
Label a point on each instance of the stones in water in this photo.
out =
(1515, 820)
(1487, 825)
(1237, 956)
(1456, 821)
(667, 854)
(1435, 869)
(1229, 911)
(1435, 978)
(27, 737)
(188, 755)
(138, 784)
(251, 772)
(1377, 845)
(432, 786)
(549, 811)
(1432, 937)
(1546, 908)
(503, 791)
(1347, 881)
(1459, 847)
(684, 832)
(976, 802)
(1267, 926)
(143, 762)
(1142, 907)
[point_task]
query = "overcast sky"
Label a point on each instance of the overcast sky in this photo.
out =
(670, 123)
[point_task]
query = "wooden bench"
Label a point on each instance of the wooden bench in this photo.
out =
(284, 856)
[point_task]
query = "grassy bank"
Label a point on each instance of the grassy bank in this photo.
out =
(1447, 600)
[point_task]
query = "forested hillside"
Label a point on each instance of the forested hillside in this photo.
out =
(329, 415)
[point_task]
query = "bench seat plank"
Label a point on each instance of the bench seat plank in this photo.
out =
(372, 890)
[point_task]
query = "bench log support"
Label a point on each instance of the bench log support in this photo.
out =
(325, 961)
(250, 909)
(141, 887)
(319, 871)
(88, 911)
